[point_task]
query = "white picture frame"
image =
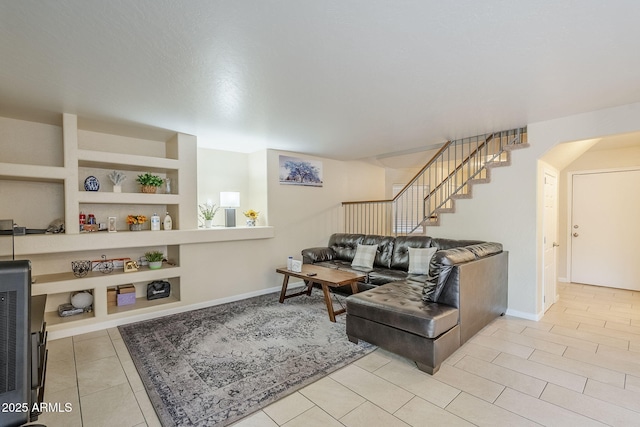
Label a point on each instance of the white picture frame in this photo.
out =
(296, 266)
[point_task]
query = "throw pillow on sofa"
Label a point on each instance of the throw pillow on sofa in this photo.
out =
(365, 256)
(419, 259)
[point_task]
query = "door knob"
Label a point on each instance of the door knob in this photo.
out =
(555, 245)
(575, 234)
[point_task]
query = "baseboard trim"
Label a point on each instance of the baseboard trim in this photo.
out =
(524, 315)
(53, 335)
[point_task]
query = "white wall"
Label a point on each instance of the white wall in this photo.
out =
(509, 209)
(45, 201)
(224, 171)
(302, 216)
(398, 176)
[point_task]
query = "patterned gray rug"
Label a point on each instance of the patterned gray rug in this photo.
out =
(216, 365)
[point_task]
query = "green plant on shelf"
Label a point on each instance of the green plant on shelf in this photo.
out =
(208, 211)
(154, 256)
(147, 179)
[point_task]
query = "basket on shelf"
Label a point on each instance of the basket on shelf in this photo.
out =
(149, 182)
(149, 189)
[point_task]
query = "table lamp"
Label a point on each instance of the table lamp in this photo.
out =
(230, 200)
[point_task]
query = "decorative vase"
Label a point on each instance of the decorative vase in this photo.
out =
(208, 223)
(135, 227)
(149, 189)
(91, 183)
(117, 188)
(154, 265)
(251, 223)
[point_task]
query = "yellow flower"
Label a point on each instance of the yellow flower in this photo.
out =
(251, 214)
(136, 219)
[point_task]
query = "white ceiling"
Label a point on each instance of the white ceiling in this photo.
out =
(340, 79)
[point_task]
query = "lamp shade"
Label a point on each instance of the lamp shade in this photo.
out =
(229, 199)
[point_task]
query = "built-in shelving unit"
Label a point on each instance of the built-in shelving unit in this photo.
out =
(53, 186)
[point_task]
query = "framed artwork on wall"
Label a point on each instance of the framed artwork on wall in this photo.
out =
(297, 171)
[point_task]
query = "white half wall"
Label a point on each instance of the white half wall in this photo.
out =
(302, 217)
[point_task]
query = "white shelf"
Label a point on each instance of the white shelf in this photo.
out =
(32, 172)
(174, 155)
(55, 322)
(58, 243)
(107, 160)
(140, 305)
(104, 197)
(67, 282)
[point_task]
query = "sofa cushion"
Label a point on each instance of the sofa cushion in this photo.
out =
(380, 276)
(314, 255)
(400, 257)
(385, 249)
(365, 256)
(440, 268)
(345, 245)
(400, 305)
(482, 250)
(443, 244)
(419, 259)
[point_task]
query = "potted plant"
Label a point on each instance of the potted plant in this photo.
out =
(207, 212)
(252, 217)
(149, 182)
(117, 178)
(155, 259)
(136, 221)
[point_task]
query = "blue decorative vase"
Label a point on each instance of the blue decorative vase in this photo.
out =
(91, 183)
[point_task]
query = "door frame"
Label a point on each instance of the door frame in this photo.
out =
(570, 175)
(548, 170)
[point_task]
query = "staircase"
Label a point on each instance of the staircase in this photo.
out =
(448, 176)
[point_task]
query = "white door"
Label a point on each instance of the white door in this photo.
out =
(605, 229)
(550, 227)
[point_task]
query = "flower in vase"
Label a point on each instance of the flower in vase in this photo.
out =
(136, 219)
(251, 214)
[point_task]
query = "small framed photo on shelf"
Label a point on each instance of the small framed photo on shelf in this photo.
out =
(112, 224)
(130, 266)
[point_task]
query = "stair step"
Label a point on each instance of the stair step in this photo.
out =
(480, 180)
(445, 210)
(511, 147)
(471, 167)
(462, 196)
(498, 164)
(432, 222)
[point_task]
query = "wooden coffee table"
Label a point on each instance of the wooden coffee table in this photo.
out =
(326, 278)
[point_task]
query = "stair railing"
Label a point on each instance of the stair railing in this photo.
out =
(448, 175)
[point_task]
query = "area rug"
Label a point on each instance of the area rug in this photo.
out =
(213, 366)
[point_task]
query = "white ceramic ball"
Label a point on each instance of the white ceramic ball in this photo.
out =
(82, 300)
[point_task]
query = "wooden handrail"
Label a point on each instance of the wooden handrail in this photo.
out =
(371, 214)
(367, 201)
(429, 163)
(416, 176)
(462, 163)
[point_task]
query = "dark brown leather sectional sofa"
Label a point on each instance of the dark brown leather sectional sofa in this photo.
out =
(390, 310)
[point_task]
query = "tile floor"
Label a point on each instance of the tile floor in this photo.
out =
(578, 366)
